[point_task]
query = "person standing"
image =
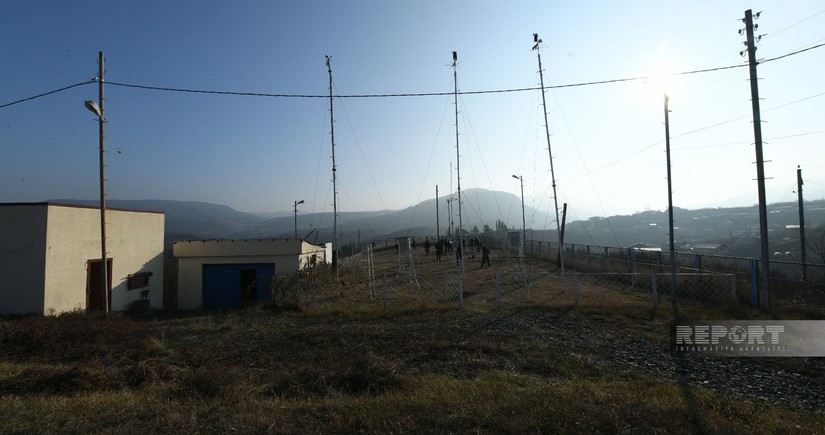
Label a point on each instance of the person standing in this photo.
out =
(485, 255)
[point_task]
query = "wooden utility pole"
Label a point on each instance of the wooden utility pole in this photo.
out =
(104, 268)
(437, 228)
(803, 248)
(760, 162)
(670, 206)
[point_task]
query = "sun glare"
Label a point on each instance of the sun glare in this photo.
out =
(659, 79)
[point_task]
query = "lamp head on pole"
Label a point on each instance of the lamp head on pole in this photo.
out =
(516, 177)
(299, 202)
(93, 107)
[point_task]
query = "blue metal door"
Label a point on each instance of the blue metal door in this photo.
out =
(231, 286)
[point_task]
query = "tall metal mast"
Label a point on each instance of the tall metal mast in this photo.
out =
(536, 46)
(334, 184)
(458, 178)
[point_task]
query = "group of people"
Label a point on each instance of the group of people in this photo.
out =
(443, 245)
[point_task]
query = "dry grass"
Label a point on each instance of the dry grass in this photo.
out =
(355, 366)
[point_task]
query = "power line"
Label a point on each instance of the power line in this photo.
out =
(88, 82)
(792, 53)
(394, 95)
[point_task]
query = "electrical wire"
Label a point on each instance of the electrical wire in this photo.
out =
(406, 94)
(792, 53)
(65, 88)
(366, 163)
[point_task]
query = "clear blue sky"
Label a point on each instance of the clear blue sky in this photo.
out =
(262, 153)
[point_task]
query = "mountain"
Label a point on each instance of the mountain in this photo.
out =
(479, 207)
(736, 227)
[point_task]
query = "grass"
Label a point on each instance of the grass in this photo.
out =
(415, 372)
(420, 366)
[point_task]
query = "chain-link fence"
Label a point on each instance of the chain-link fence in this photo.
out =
(392, 279)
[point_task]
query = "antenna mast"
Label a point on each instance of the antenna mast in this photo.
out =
(536, 46)
(334, 186)
(458, 179)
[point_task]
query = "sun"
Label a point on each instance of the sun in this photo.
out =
(659, 79)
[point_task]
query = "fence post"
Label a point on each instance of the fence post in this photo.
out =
(629, 260)
(498, 288)
(754, 282)
(460, 289)
(697, 262)
(658, 261)
(606, 260)
(655, 290)
(385, 291)
(588, 258)
(575, 287)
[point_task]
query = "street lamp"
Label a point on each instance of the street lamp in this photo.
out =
(523, 219)
(97, 109)
(295, 209)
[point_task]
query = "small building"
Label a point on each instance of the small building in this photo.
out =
(709, 248)
(50, 258)
(229, 274)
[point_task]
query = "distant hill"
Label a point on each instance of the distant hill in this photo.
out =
(479, 207)
(736, 226)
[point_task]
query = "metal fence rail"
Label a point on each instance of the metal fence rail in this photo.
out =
(592, 275)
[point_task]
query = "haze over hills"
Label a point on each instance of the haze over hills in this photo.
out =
(199, 220)
(480, 207)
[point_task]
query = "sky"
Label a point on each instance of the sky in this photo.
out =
(262, 153)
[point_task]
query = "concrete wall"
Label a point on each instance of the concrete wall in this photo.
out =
(288, 255)
(134, 242)
(22, 258)
(46, 248)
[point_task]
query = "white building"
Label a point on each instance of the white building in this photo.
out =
(50, 258)
(227, 274)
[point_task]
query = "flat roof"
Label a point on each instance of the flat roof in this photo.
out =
(61, 204)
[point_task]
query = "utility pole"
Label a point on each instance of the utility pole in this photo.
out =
(670, 206)
(803, 247)
(458, 179)
(334, 185)
(760, 162)
(437, 228)
(101, 121)
(295, 210)
(97, 109)
(537, 46)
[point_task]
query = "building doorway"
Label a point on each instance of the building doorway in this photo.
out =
(94, 287)
(233, 286)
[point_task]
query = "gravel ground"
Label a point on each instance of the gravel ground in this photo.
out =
(792, 383)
